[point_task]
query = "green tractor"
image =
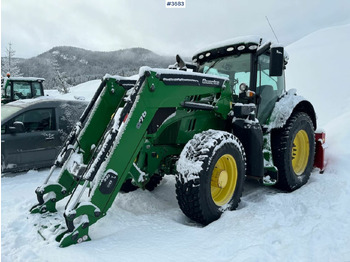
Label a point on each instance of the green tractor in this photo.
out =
(16, 88)
(212, 123)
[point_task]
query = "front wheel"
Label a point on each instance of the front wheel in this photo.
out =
(211, 173)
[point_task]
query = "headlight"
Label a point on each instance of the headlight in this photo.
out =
(243, 87)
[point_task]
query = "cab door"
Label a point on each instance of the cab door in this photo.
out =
(268, 88)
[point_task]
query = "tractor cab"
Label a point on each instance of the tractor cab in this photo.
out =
(15, 88)
(255, 70)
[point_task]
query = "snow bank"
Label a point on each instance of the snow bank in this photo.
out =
(84, 91)
(319, 69)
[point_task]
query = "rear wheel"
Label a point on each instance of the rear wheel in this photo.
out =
(293, 150)
(216, 184)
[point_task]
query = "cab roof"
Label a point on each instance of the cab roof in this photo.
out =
(21, 78)
(237, 45)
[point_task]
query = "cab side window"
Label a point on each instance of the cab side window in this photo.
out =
(37, 120)
(36, 89)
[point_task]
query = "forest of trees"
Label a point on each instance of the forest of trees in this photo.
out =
(9, 64)
(65, 66)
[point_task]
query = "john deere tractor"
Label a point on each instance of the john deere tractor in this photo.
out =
(16, 88)
(212, 123)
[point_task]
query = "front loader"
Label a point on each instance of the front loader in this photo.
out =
(211, 123)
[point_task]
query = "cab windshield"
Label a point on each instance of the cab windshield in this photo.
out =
(234, 67)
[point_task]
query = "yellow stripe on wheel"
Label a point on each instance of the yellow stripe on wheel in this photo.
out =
(224, 180)
(300, 152)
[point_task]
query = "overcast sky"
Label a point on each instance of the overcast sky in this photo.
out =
(35, 26)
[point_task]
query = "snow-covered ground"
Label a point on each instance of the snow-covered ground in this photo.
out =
(83, 91)
(310, 224)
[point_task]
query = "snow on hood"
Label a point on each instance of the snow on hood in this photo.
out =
(143, 69)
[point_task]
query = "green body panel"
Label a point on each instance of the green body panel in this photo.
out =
(4, 85)
(184, 125)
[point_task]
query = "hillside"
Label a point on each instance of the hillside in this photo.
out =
(82, 65)
(318, 69)
(309, 224)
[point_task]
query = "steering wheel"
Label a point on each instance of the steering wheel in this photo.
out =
(19, 95)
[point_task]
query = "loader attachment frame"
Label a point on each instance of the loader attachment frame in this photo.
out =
(120, 139)
(80, 143)
(114, 162)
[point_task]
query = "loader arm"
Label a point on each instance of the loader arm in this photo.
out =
(113, 160)
(81, 142)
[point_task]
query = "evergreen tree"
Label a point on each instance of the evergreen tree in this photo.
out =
(60, 79)
(9, 63)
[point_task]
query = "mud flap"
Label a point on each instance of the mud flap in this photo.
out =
(320, 138)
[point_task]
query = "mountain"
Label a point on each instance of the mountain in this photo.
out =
(82, 65)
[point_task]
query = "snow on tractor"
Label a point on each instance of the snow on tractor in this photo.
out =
(211, 123)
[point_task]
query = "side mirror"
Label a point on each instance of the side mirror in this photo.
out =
(17, 127)
(276, 61)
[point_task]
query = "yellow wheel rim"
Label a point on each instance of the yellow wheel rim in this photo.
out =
(224, 180)
(300, 152)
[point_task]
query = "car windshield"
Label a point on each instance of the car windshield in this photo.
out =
(7, 110)
(234, 67)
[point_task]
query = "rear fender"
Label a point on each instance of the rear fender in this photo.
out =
(289, 103)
